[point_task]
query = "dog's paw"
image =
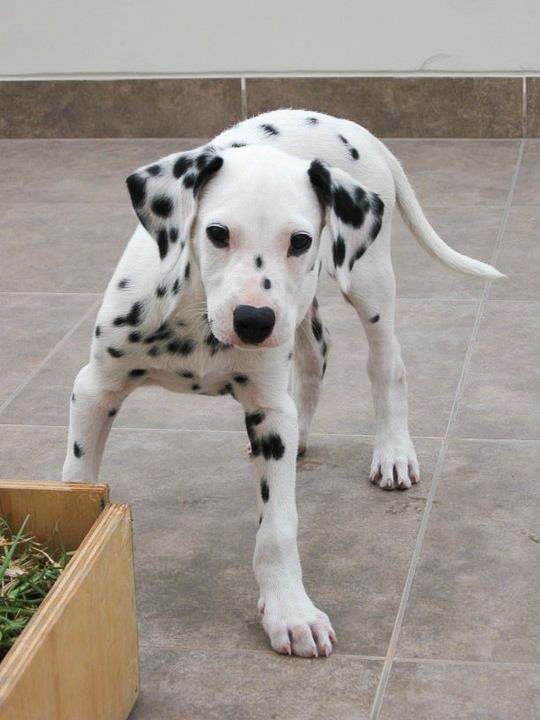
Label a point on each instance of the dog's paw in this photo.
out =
(394, 465)
(295, 626)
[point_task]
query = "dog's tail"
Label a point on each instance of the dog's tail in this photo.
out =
(418, 224)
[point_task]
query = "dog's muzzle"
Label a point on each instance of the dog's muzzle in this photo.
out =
(252, 324)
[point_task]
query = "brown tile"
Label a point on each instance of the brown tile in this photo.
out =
(474, 595)
(424, 691)
(31, 326)
(402, 107)
(500, 396)
(188, 107)
(533, 107)
(519, 256)
(78, 171)
(528, 183)
(211, 685)
(450, 173)
(195, 520)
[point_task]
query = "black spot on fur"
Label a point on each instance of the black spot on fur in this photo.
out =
(162, 333)
(183, 163)
(338, 251)
(123, 283)
(377, 207)
(343, 139)
(350, 210)
(195, 387)
(113, 352)
(185, 374)
(316, 328)
(132, 318)
(72, 397)
(214, 344)
(97, 331)
(266, 284)
(176, 286)
(321, 181)
(354, 153)
(181, 347)
(208, 164)
(154, 351)
(238, 144)
(258, 262)
(161, 291)
(357, 255)
(173, 235)
(137, 372)
(272, 446)
(162, 205)
(324, 368)
(187, 271)
(112, 412)
(154, 170)
(254, 418)
(163, 243)
(265, 490)
(312, 120)
(269, 130)
(374, 319)
(240, 379)
(137, 189)
(77, 450)
(134, 337)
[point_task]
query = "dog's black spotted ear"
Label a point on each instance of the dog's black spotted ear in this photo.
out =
(353, 216)
(164, 195)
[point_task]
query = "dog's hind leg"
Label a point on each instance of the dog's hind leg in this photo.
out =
(312, 343)
(372, 293)
(95, 401)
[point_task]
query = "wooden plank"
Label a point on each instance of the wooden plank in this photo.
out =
(77, 657)
(69, 508)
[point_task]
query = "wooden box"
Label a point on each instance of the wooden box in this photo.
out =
(77, 657)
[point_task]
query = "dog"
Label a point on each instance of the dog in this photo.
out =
(216, 294)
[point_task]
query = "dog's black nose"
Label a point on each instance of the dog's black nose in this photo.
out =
(252, 324)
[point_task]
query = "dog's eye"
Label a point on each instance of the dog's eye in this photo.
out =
(300, 242)
(218, 235)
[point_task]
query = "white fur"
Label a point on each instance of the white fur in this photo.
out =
(263, 194)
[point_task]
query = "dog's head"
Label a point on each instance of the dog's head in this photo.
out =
(252, 218)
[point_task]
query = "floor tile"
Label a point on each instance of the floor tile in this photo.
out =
(433, 357)
(31, 326)
(475, 592)
(195, 520)
(519, 256)
(433, 349)
(528, 183)
(67, 247)
(469, 230)
(180, 685)
(79, 171)
(500, 396)
(452, 172)
(422, 691)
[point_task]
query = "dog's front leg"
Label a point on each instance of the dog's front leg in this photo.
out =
(292, 622)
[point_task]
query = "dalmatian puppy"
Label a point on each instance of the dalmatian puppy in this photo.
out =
(215, 294)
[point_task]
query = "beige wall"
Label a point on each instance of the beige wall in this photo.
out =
(145, 37)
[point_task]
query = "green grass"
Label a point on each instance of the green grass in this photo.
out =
(27, 573)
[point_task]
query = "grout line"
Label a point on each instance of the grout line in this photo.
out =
(243, 96)
(524, 126)
(443, 661)
(137, 428)
(233, 74)
(49, 355)
(437, 473)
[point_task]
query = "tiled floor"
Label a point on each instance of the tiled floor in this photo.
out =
(433, 593)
